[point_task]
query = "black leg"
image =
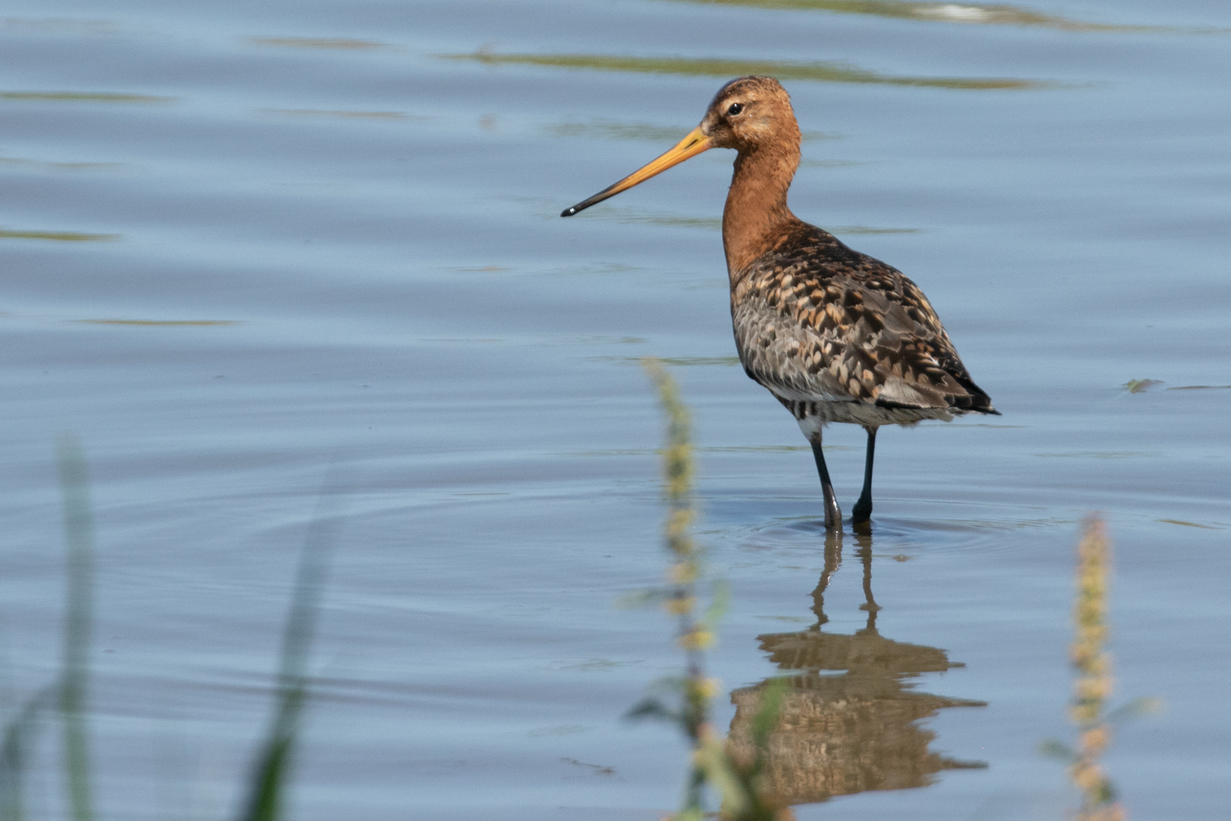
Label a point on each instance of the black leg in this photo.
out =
(863, 508)
(833, 513)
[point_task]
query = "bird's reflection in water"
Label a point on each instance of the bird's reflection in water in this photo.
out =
(850, 721)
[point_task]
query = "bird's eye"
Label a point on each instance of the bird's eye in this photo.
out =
(735, 109)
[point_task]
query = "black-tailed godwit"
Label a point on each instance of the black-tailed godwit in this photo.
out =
(835, 335)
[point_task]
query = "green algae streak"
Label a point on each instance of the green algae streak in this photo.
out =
(83, 97)
(962, 13)
(821, 72)
(58, 236)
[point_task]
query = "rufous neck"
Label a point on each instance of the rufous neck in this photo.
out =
(756, 210)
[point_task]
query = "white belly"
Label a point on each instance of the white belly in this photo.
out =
(818, 414)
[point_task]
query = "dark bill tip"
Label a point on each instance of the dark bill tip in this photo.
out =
(586, 203)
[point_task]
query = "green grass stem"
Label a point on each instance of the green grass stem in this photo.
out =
(267, 787)
(79, 535)
(18, 735)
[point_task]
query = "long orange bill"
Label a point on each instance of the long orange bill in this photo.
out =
(690, 146)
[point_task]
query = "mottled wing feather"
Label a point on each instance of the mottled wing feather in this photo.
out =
(817, 321)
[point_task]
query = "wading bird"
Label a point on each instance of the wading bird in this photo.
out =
(835, 335)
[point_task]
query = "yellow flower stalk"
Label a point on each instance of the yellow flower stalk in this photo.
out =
(1094, 683)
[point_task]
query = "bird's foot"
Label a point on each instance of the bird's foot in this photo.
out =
(862, 511)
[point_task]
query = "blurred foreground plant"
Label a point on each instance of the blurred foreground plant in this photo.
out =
(712, 765)
(79, 534)
(1094, 682)
(271, 772)
(69, 692)
(1093, 686)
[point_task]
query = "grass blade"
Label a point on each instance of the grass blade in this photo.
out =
(79, 535)
(267, 788)
(17, 736)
